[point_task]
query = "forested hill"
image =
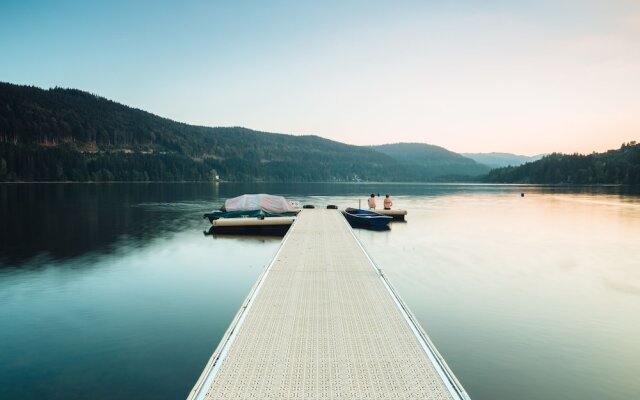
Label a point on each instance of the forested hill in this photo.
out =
(67, 134)
(620, 166)
(438, 160)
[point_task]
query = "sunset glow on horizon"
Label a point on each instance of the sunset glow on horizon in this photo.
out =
(479, 76)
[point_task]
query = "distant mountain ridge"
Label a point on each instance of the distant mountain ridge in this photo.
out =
(498, 160)
(71, 135)
(435, 158)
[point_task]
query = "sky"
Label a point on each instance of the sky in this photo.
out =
(525, 77)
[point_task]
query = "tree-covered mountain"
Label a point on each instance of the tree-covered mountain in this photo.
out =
(66, 134)
(498, 160)
(438, 160)
(621, 166)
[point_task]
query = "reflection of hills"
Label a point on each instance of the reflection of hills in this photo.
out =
(61, 221)
(69, 220)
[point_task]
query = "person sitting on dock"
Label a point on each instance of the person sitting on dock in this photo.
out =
(387, 203)
(372, 202)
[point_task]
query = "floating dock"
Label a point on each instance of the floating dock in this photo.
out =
(322, 322)
(395, 214)
(252, 225)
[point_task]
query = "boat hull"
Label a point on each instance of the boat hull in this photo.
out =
(367, 219)
(252, 226)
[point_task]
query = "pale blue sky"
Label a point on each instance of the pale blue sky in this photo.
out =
(517, 76)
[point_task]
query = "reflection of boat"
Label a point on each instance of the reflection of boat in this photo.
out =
(257, 214)
(365, 218)
(243, 236)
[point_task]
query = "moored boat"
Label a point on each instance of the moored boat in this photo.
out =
(253, 214)
(366, 218)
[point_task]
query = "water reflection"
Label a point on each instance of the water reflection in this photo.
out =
(247, 238)
(528, 293)
(68, 220)
(142, 320)
(112, 291)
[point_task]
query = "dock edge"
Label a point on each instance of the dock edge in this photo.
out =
(208, 374)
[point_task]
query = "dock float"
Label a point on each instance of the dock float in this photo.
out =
(398, 215)
(252, 225)
(322, 322)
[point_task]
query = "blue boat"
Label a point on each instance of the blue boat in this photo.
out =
(365, 218)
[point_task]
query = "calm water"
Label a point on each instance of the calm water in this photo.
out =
(113, 291)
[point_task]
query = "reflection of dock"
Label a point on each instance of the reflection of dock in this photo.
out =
(322, 322)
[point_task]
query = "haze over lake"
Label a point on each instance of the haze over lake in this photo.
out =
(111, 291)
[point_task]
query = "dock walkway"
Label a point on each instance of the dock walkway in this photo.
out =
(323, 323)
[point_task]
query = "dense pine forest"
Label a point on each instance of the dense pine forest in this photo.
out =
(620, 166)
(70, 135)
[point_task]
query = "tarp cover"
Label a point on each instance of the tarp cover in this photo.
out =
(264, 202)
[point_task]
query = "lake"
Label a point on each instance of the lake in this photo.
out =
(112, 291)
